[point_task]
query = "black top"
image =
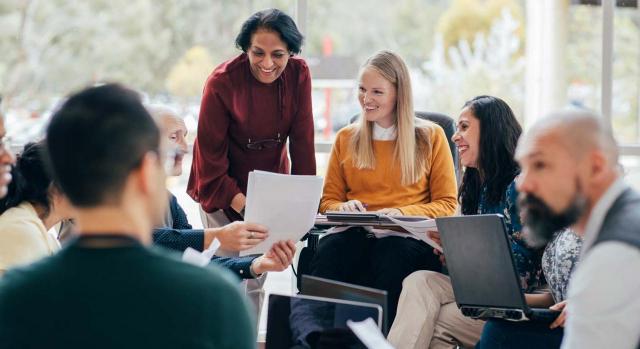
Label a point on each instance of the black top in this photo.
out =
(114, 293)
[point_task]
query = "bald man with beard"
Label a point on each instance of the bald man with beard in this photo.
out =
(571, 177)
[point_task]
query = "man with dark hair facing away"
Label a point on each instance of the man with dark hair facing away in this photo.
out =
(106, 288)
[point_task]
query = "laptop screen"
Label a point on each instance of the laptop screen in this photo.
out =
(294, 320)
(321, 287)
(480, 262)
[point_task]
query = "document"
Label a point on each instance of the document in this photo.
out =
(285, 204)
(382, 225)
(195, 257)
(418, 229)
(369, 334)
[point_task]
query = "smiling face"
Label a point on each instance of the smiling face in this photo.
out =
(268, 55)
(377, 98)
(467, 138)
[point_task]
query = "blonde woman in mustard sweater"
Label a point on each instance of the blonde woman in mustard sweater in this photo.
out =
(389, 162)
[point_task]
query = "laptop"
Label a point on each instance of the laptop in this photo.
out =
(321, 287)
(335, 315)
(482, 269)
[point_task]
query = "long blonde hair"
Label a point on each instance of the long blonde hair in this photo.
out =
(412, 141)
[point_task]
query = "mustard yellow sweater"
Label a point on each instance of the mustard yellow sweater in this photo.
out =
(434, 195)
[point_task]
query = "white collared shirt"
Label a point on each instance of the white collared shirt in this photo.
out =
(384, 134)
(379, 134)
(603, 303)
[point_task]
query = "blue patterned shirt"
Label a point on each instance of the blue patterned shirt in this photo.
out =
(528, 260)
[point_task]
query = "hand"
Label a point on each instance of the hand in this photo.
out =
(238, 236)
(5, 178)
(391, 211)
(278, 258)
(238, 202)
(560, 320)
(435, 236)
(352, 206)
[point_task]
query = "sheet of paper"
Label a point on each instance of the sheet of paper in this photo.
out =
(369, 334)
(195, 257)
(419, 229)
(211, 250)
(285, 204)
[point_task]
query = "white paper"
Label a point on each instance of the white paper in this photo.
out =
(419, 229)
(285, 204)
(195, 257)
(211, 250)
(369, 334)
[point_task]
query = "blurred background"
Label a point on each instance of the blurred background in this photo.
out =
(538, 55)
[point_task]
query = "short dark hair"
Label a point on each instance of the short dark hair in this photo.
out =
(94, 141)
(31, 180)
(274, 20)
(499, 133)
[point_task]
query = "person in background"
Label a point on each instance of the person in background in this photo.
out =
(6, 158)
(106, 288)
(390, 162)
(486, 138)
(571, 177)
(33, 205)
(252, 106)
(176, 232)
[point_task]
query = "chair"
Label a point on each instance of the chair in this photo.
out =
(313, 236)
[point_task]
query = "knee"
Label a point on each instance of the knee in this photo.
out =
(422, 281)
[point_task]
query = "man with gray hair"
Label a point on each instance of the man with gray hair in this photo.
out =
(571, 177)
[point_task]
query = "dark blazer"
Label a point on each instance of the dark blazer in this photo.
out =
(182, 235)
(622, 222)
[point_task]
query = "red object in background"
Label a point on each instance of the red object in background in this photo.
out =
(327, 50)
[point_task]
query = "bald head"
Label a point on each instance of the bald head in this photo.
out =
(576, 131)
(173, 130)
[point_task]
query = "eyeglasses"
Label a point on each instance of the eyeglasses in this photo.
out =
(269, 143)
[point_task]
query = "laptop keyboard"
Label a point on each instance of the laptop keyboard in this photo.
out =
(486, 313)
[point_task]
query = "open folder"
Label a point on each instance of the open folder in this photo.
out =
(416, 226)
(285, 204)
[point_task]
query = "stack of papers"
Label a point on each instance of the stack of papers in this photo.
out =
(285, 204)
(416, 226)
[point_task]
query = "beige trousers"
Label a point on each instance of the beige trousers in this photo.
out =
(253, 287)
(428, 316)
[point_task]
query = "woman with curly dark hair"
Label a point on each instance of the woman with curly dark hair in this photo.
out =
(486, 139)
(33, 205)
